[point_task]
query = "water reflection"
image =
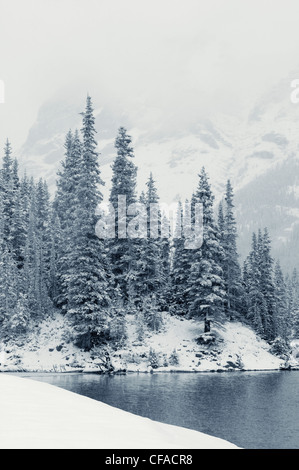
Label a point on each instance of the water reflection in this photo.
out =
(250, 409)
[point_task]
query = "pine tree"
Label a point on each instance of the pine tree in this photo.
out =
(8, 194)
(65, 205)
(123, 250)
(55, 244)
(34, 276)
(151, 313)
(117, 319)
(293, 302)
(206, 285)
(139, 288)
(259, 286)
(164, 289)
(16, 219)
(153, 358)
(43, 227)
(174, 358)
(181, 264)
(221, 222)
(266, 264)
(65, 182)
(19, 321)
(255, 302)
(87, 298)
(18, 230)
(8, 292)
(230, 265)
(281, 318)
(153, 250)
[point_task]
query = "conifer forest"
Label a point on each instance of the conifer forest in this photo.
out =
(51, 259)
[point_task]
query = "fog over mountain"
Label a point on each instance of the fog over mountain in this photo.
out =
(258, 153)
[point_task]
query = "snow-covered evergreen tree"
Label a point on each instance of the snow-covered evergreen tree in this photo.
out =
(292, 285)
(65, 205)
(259, 286)
(180, 264)
(87, 298)
(34, 275)
(9, 291)
(266, 281)
(230, 264)
(255, 304)
(281, 317)
(206, 288)
(8, 191)
(123, 250)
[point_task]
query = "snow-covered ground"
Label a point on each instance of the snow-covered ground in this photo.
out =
(236, 347)
(36, 415)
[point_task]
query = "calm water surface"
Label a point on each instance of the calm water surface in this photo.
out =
(251, 409)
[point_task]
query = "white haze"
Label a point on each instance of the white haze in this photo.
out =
(161, 61)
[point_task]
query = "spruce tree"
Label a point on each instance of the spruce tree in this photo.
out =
(231, 267)
(65, 205)
(293, 302)
(8, 293)
(153, 250)
(206, 292)
(180, 264)
(259, 286)
(267, 285)
(255, 302)
(123, 250)
(281, 318)
(8, 194)
(87, 298)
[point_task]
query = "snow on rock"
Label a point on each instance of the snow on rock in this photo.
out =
(36, 415)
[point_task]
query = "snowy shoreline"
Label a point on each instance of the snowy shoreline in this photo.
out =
(236, 349)
(36, 415)
(136, 372)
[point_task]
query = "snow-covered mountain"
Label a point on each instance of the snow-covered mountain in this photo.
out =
(258, 153)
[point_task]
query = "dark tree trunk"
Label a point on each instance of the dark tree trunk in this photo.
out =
(207, 325)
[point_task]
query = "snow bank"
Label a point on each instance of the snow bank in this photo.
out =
(37, 415)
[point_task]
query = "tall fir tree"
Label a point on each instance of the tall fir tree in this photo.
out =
(259, 286)
(231, 267)
(65, 205)
(180, 264)
(8, 194)
(254, 300)
(123, 250)
(293, 302)
(281, 317)
(267, 283)
(206, 288)
(87, 298)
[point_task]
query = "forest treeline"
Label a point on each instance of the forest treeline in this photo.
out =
(51, 259)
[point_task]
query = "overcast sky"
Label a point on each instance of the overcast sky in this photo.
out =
(180, 57)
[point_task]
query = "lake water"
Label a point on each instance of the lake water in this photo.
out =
(251, 409)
